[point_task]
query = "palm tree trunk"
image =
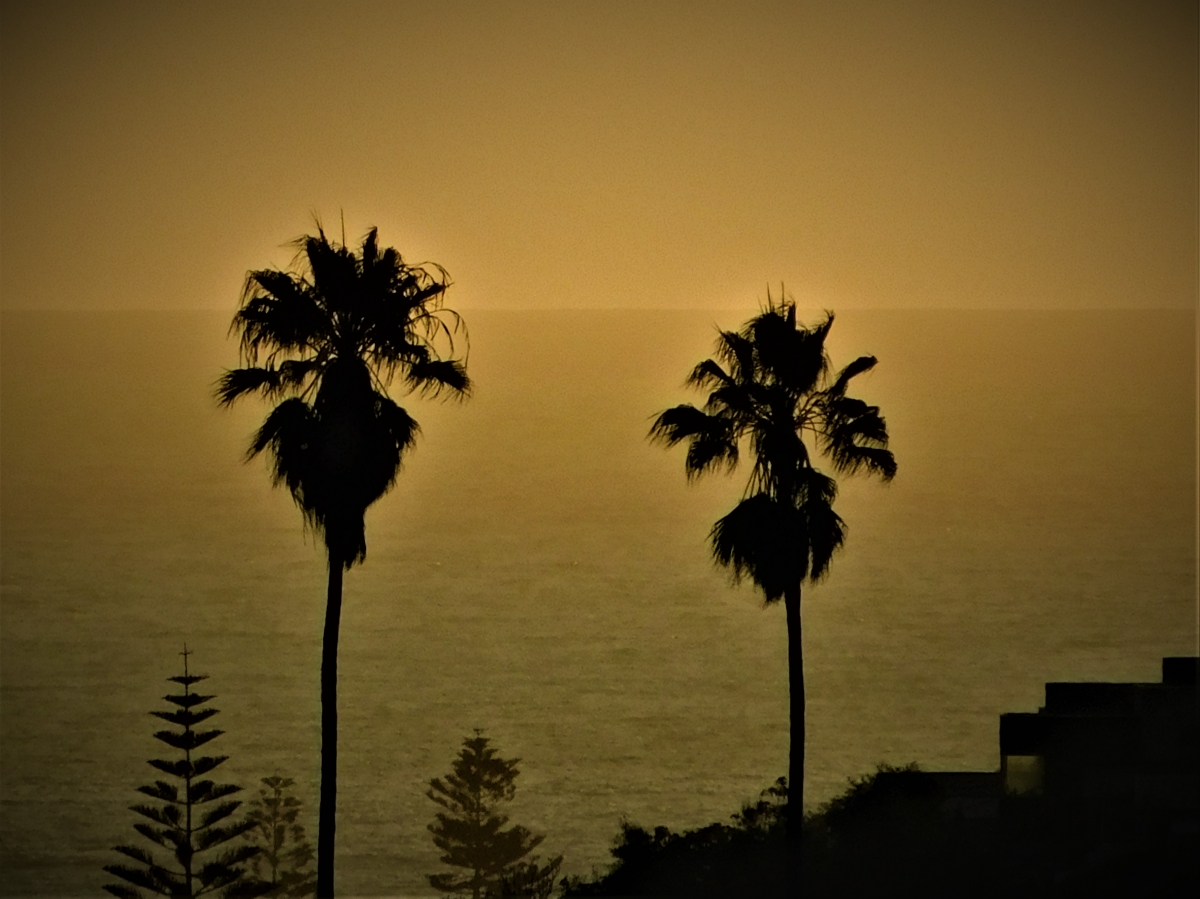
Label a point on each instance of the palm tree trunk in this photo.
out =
(795, 817)
(329, 650)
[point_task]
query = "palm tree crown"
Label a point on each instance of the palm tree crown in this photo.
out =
(770, 383)
(326, 341)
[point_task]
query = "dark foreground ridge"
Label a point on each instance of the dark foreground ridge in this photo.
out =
(1097, 795)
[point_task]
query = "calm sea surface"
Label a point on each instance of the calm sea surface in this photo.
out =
(541, 572)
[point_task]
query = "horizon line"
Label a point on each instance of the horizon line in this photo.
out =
(699, 308)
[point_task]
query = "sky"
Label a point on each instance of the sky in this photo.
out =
(583, 155)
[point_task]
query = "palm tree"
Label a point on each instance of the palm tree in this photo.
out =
(771, 384)
(325, 341)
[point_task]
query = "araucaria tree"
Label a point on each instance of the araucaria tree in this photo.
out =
(192, 820)
(325, 341)
(286, 852)
(472, 835)
(771, 386)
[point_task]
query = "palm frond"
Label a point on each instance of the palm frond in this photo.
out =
(294, 372)
(815, 487)
(763, 539)
(400, 427)
(855, 368)
(238, 381)
(712, 439)
(741, 400)
(849, 417)
(334, 272)
(826, 533)
(677, 424)
(852, 458)
(414, 328)
(708, 374)
(290, 432)
(737, 352)
(856, 437)
(781, 457)
(811, 350)
(370, 251)
(710, 452)
(398, 350)
(440, 322)
(279, 312)
(431, 377)
(793, 357)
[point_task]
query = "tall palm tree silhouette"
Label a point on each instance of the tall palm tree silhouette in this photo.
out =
(771, 385)
(326, 341)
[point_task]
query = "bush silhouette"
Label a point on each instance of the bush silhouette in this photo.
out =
(743, 858)
(893, 833)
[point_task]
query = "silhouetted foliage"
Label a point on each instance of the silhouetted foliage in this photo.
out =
(472, 834)
(887, 829)
(743, 858)
(897, 832)
(770, 385)
(324, 342)
(286, 852)
(192, 818)
(529, 879)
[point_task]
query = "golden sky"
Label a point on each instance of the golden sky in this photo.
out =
(889, 154)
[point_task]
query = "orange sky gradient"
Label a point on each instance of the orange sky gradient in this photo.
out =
(640, 155)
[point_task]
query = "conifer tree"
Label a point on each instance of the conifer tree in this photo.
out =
(194, 820)
(472, 835)
(286, 851)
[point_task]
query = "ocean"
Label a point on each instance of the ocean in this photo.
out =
(541, 572)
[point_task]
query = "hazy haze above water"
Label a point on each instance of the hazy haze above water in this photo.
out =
(542, 572)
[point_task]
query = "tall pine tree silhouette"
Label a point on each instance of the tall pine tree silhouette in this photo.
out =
(472, 835)
(193, 820)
